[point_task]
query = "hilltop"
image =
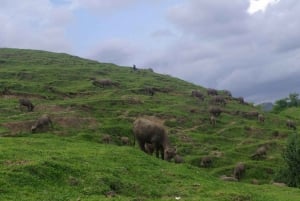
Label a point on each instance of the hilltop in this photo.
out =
(70, 161)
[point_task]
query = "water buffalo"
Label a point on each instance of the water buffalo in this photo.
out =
(42, 123)
(215, 111)
(219, 100)
(239, 171)
(149, 148)
(24, 102)
(260, 152)
(146, 131)
(212, 120)
(104, 83)
(178, 159)
(206, 162)
(106, 139)
(125, 140)
(149, 90)
(227, 93)
(170, 153)
(291, 124)
(240, 100)
(212, 92)
(251, 114)
(198, 94)
(261, 118)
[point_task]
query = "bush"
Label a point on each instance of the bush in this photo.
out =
(290, 174)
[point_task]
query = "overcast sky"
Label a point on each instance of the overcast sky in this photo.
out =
(251, 48)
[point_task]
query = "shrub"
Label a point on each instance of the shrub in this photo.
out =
(290, 172)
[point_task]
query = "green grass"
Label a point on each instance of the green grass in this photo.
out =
(70, 162)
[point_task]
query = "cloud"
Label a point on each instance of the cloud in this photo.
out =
(224, 47)
(101, 5)
(33, 24)
(118, 51)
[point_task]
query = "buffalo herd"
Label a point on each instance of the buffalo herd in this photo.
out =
(152, 136)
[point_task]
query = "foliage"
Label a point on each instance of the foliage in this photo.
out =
(291, 101)
(290, 173)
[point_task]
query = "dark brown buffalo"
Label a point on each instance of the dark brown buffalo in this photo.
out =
(291, 124)
(149, 148)
(24, 102)
(125, 140)
(178, 159)
(215, 111)
(251, 114)
(240, 100)
(212, 92)
(198, 95)
(259, 153)
(146, 131)
(261, 118)
(44, 122)
(219, 100)
(106, 139)
(104, 83)
(213, 120)
(239, 171)
(206, 162)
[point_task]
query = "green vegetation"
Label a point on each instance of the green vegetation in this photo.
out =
(290, 172)
(70, 161)
(291, 101)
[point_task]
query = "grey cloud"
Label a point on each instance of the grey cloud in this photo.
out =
(224, 47)
(101, 5)
(115, 51)
(33, 24)
(162, 33)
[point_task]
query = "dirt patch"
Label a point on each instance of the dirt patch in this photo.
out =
(16, 128)
(51, 109)
(16, 162)
(76, 122)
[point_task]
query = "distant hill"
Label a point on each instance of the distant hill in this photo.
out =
(268, 106)
(88, 100)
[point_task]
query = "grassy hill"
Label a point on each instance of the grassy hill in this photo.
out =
(70, 162)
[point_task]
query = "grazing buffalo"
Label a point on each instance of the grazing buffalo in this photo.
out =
(212, 120)
(212, 92)
(125, 140)
(227, 93)
(149, 90)
(239, 171)
(104, 83)
(42, 123)
(251, 114)
(291, 124)
(24, 102)
(106, 139)
(215, 111)
(170, 153)
(146, 131)
(206, 162)
(240, 100)
(219, 100)
(198, 95)
(260, 152)
(149, 148)
(261, 118)
(178, 159)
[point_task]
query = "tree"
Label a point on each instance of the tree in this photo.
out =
(291, 155)
(281, 105)
(293, 100)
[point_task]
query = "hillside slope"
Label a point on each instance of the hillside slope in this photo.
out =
(72, 161)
